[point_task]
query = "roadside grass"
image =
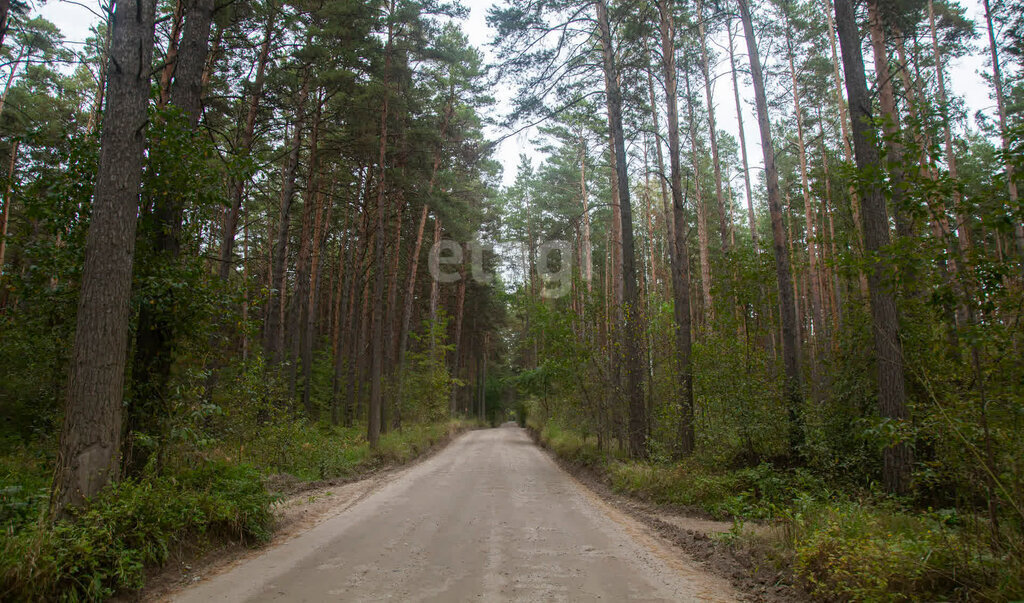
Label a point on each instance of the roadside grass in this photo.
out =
(202, 496)
(840, 546)
(316, 452)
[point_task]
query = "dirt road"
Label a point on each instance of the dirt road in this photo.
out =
(490, 518)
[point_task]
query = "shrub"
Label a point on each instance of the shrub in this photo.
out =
(104, 547)
(853, 552)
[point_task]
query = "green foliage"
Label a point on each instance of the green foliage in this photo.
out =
(857, 552)
(24, 485)
(311, 452)
(427, 384)
(840, 548)
(104, 547)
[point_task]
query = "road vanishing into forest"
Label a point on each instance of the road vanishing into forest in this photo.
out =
(489, 518)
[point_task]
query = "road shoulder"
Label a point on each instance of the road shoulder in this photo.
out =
(703, 543)
(306, 506)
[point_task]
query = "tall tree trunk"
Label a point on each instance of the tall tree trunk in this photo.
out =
(743, 145)
(963, 217)
(391, 316)
(101, 78)
(273, 341)
(666, 198)
(631, 327)
(587, 253)
(410, 287)
(245, 288)
(827, 210)
(845, 129)
(811, 231)
(703, 245)
(320, 225)
(414, 262)
(154, 343)
(5, 216)
(787, 302)
(87, 457)
(460, 306)
(997, 85)
(679, 254)
(346, 279)
(171, 57)
(705, 64)
(380, 236)
(435, 291)
(298, 306)
(890, 125)
(888, 347)
(358, 308)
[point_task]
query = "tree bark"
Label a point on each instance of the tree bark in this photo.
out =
(586, 255)
(320, 226)
(298, 306)
(845, 129)
(703, 244)
(787, 302)
(743, 146)
(963, 218)
(631, 327)
(171, 57)
(811, 227)
(273, 342)
(890, 123)
(154, 343)
(888, 347)
(5, 216)
(997, 85)
(460, 307)
(377, 324)
(87, 457)
(723, 212)
(679, 254)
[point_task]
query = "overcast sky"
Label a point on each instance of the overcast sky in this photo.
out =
(74, 20)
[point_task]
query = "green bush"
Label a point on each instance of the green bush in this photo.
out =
(840, 549)
(754, 493)
(24, 486)
(853, 552)
(312, 452)
(572, 446)
(104, 547)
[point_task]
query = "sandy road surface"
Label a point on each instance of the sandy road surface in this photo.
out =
(490, 518)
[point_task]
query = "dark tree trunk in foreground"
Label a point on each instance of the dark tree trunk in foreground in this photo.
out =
(679, 256)
(631, 318)
(151, 368)
(888, 348)
(787, 301)
(380, 239)
(91, 436)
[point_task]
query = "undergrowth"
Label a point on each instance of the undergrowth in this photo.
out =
(203, 495)
(105, 547)
(840, 547)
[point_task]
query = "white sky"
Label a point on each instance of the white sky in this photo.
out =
(74, 21)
